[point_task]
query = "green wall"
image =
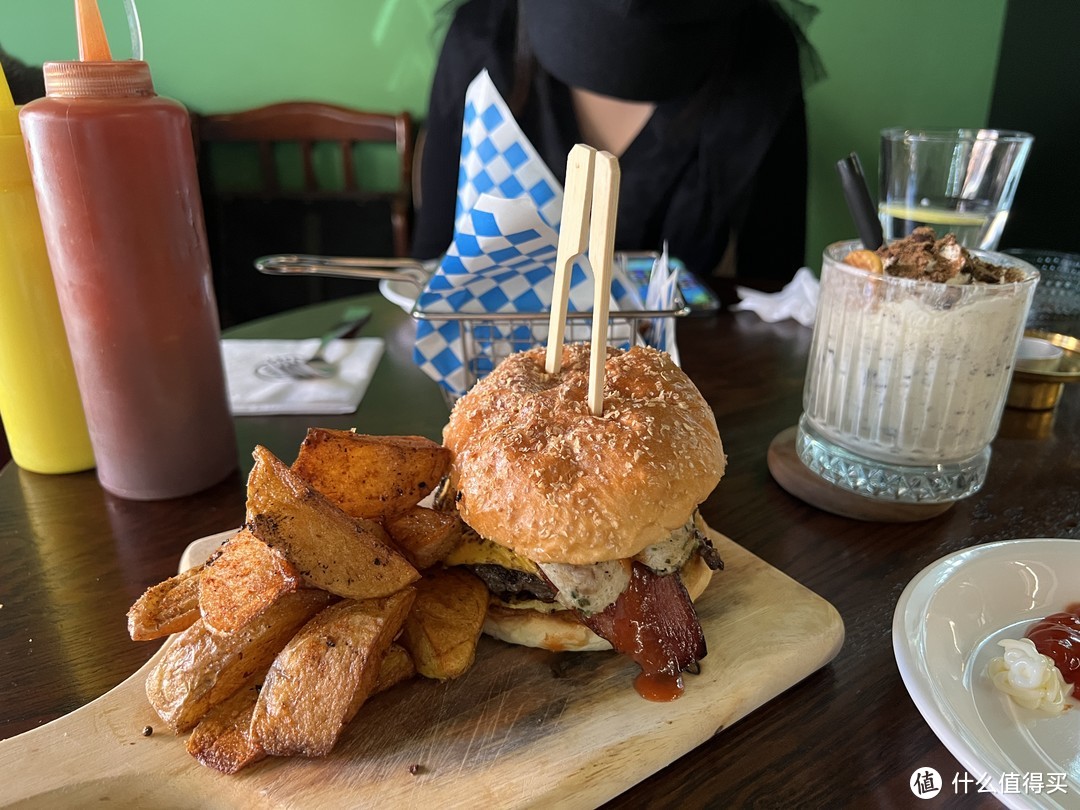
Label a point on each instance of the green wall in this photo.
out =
(218, 55)
(882, 74)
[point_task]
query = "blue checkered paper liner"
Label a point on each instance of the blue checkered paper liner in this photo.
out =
(497, 159)
(501, 261)
(509, 205)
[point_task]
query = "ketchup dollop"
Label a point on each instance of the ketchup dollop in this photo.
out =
(659, 687)
(1058, 636)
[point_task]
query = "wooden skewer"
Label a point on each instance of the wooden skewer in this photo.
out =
(605, 204)
(93, 44)
(590, 201)
(573, 232)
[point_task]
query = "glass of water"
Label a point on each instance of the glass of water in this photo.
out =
(956, 180)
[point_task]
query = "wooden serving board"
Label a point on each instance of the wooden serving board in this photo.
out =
(522, 728)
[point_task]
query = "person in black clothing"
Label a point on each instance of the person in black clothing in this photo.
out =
(701, 100)
(26, 82)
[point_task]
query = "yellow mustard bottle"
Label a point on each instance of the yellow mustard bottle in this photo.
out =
(39, 396)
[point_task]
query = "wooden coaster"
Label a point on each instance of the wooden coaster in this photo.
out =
(791, 474)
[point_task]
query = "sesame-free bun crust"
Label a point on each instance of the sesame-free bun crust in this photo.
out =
(561, 631)
(535, 471)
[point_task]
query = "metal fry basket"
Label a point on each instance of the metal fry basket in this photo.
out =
(1056, 304)
(485, 339)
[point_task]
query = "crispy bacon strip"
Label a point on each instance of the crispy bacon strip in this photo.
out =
(653, 622)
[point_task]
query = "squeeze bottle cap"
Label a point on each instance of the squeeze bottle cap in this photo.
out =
(96, 74)
(93, 44)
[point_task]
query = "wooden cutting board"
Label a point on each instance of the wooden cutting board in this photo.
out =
(522, 728)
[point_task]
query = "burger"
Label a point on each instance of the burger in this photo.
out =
(585, 528)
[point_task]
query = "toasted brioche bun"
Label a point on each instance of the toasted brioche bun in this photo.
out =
(536, 472)
(560, 630)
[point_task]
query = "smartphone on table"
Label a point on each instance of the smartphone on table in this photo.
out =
(695, 293)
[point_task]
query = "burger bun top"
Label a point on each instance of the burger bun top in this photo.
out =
(536, 472)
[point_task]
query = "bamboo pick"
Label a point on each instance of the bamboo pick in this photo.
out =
(605, 204)
(93, 44)
(577, 200)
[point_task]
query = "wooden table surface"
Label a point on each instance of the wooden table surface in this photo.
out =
(73, 558)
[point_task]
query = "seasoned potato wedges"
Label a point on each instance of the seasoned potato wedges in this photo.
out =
(222, 739)
(199, 670)
(397, 666)
(425, 536)
(316, 604)
(334, 552)
(324, 674)
(442, 630)
(166, 608)
(373, 477)
(241, 580)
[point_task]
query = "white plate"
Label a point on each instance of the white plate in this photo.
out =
(945, 631)
(198, 551)
(400, 292)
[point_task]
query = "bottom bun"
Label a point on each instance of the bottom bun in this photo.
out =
(561, 630)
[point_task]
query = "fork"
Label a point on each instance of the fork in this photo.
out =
(316, 366)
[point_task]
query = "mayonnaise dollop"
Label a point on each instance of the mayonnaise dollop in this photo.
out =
(1029, 677)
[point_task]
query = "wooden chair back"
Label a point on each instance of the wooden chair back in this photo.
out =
(285, 178)
(308, 123)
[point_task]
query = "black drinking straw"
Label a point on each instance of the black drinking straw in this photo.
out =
(861, 207)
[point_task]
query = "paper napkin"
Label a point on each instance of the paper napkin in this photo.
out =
(798, 300)
(251, 394)
(660, 297)
(502, 258)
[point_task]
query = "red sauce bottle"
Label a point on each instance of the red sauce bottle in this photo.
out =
(114, 172)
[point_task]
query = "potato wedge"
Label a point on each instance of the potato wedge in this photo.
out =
(425, 536)
(325, 673)
(371, 477)
(397, 666)
(443, 627)
(166, 608)
(222, 739)
(199, 670)
(241, 580)
(334, 552)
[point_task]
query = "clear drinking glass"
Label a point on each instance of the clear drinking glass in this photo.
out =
(907, 379)
(956, 180)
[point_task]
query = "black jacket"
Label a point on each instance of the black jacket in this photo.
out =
(730, 157)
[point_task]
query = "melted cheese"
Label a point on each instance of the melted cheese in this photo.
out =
(475, 550)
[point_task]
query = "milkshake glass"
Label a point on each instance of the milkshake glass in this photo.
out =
(907, 379)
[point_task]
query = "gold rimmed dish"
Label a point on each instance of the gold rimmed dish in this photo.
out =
(1041, 390)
